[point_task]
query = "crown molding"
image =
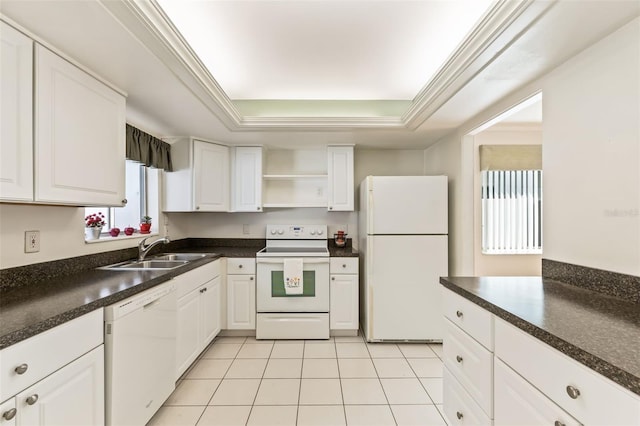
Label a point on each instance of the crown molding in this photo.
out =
(320, 123)
(504, 23)
(500, 27)
(146, 21)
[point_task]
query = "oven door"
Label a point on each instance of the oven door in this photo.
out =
(271, 296)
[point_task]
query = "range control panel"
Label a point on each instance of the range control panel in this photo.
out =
(296, 232)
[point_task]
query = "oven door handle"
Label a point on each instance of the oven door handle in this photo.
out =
(306, 260)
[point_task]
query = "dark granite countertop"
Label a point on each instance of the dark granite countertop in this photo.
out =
(597, 330)
(28, 310)
(38, 297)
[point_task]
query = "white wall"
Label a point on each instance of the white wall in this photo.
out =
(500, 264)
(591, 117)
(231, 225)
(61, 231)
(387, 162)
(61, 234)
(591, 156)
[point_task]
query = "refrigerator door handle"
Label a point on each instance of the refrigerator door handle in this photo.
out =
(370, 210)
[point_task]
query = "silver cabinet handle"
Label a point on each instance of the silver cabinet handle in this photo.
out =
(459, 314)
(9, 414)
(574, 393)
(21, 369)
(558, 423)
(32, 399)
(459, 415)
(458, 358)
(125, 201)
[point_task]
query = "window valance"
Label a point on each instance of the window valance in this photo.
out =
(510, 157)
(147, 149)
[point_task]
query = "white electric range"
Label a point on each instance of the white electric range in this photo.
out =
(281, 313)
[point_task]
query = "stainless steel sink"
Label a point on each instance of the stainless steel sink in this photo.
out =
(180, 256)
(147, 265)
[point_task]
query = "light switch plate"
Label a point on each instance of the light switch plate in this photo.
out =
(31, 241)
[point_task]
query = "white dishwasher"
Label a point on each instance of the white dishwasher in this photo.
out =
(140, 355)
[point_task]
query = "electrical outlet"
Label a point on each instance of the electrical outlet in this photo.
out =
(245, 229)
(31, 241)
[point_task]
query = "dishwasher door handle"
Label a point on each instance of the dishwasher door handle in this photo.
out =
(150, 304)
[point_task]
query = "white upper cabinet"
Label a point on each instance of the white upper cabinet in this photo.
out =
(247, 179)
(340, 175)
(16, 147)
(211, 177)
(200, 180)
(79, 136)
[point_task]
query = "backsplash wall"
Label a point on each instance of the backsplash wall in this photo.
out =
(233, 225)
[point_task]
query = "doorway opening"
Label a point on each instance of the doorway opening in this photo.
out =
(508, 192)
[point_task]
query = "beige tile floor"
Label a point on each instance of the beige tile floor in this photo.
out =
(342, 381)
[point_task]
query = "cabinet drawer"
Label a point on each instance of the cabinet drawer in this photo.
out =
(48, 351)
(8, 411)
(600, 401)
(189, 281)
(474, 320)
(459, 407)
(517, 403)
(471, 363)
(241, 265)
(343, 265)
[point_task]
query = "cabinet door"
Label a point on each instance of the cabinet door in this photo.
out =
(343, 313)
(210, 311)
(340, 172)
(517, 403)
(241, 302)
(247, 179)
(16, 115)
(8, 413)
(187, 339)
(211, 177)
(73, 395)
(80, 136)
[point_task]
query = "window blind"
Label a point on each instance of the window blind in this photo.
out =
(511, 211)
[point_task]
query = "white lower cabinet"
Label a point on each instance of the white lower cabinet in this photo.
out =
(458, 406)
(241, 302)
(524, 381)
(517, 403)
(468, 360)
(211, 302)
(8, 413)
(585, 395)
(64, 386)
(471, 364)
(241, 294)
(199, 317)
(73, 395)
(343, 293)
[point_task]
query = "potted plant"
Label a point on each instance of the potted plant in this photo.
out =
(145, 225)
(93, 225)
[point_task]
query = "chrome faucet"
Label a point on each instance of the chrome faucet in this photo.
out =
(143, 249)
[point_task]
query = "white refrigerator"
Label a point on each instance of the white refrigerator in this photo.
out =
(403, 242)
